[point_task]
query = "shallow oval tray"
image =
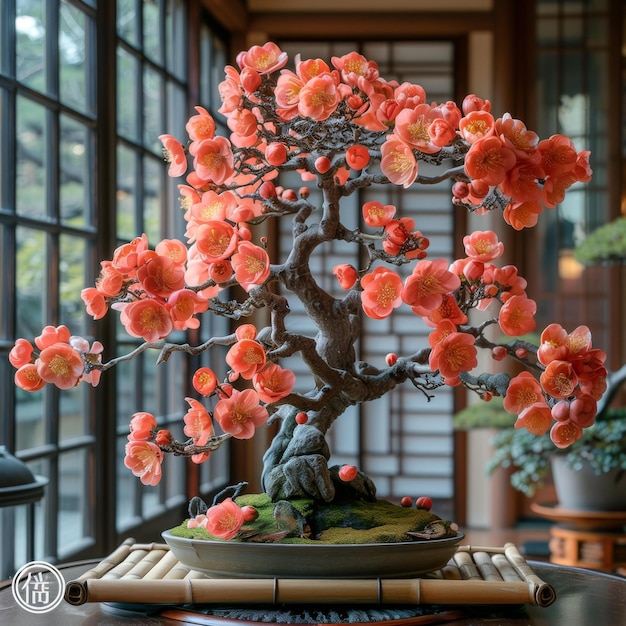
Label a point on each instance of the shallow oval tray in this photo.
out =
(234, 559)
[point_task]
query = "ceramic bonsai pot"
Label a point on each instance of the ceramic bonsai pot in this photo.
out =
(235, 559)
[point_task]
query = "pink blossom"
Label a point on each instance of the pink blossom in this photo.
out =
(398, 162)
(319, 97)
(273, 383)
(489, 160)
(142, 426)
(246, 357)
(21, 353)
(251, 265)
(240, 414)
(346, 274)
(148, 319)
(536, 418)
(213, 160)
(263, 59)
(204, 381)
(200, 126)
(483, 246)
(60, 365)
(425, 287)
(95, 304)
(198, 426)
(143, 459)
(224, 520)
(51, 335)
(174, 154)
(375, 214)
(381, 293)
(27, 378)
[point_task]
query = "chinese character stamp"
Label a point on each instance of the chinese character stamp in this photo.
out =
(38, 587)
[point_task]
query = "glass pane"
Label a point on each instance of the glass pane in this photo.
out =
(176, 102)
(573, 7)
(126, 390)
(153, 175)
(206, 65)
(31, 191)
(29, 419)
(126, 193)
(127, 22)
(177, 368)
(596, 31)
(152, 43)
(176, 39)
(150, 500)
(127, 73)
(73, 421)
(30, 56)
(40, 467)
(30, 264)
(153, 109)
(547, 32)
(72, 57)
(77, 166)
(150, 401)
(74, 498)
(5, 149)
(6, 280)
(127, 490)
(217, 69)
(73, 262)
(173, 475)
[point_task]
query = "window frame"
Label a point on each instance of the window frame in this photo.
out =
(100, 528)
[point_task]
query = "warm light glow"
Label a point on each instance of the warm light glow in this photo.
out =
(569, 267)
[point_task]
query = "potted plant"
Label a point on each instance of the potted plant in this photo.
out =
(343, 128)
(606, 245)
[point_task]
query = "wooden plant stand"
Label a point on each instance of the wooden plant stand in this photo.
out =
(590, 539)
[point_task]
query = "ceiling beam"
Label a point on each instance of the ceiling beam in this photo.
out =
(368, 25)
(231, 14)
(366, 6)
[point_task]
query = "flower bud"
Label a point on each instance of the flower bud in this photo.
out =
(267, 190)
(289, 195)
(498, 353)
(348, 473)
(276, 153)
(322, 164)
(391, 359)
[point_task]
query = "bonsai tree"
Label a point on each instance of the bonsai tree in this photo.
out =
(343, 128)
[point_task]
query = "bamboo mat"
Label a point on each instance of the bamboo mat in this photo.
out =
(150, 574)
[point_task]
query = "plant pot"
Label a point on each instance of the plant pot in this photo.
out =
(235, 559)
(583, 489)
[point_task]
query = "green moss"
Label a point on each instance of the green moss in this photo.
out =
(349, 522)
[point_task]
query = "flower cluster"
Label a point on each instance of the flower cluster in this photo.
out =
(57, 358)
(572, 370)
(342, 127)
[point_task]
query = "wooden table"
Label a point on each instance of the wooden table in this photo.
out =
(584, 597)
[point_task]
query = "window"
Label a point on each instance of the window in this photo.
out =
(573, 91)
(86, 87)
(402, 441)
